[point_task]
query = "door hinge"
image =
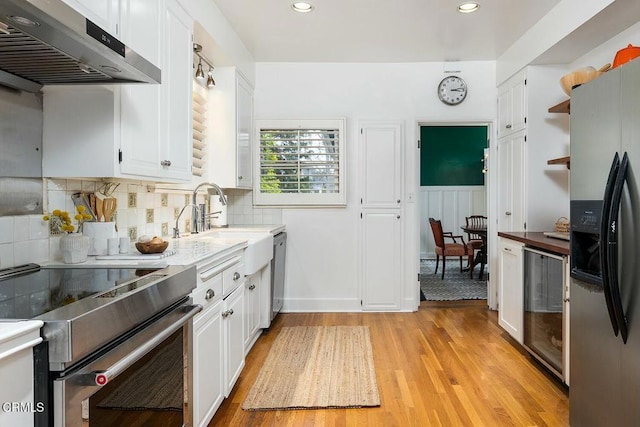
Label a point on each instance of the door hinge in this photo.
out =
(361, 131)
(525, 225)
(418, 277)
(360, 200)
(525, 138)
(525, 82)
(360, 215)
(418, 144)
(360, 303)
(119, 156)
(525, 120)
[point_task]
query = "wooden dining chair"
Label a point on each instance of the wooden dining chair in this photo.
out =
(448, 249)
(476, 242)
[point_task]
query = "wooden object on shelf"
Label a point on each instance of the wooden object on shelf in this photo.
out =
(560, 161)
(563, 107)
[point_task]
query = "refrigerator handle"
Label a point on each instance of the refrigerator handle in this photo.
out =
(612, 253)
(604, 246)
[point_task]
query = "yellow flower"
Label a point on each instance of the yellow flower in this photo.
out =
(56, 212)
(78, 217)
(81, 209)
(46, 218)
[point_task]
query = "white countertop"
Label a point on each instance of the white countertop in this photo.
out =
(189, 248)
(15, 336)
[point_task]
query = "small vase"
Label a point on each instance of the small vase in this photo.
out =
(74, 248)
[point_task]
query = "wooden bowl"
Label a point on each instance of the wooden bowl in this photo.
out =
(578, 77)
(151, 248)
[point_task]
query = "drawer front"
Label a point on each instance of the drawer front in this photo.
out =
(208, 291)
(232, 277)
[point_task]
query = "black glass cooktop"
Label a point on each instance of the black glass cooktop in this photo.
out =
(27, 295)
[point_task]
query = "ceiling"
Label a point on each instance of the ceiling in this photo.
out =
(380, 30)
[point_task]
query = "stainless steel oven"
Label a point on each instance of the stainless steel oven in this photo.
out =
(117, 346)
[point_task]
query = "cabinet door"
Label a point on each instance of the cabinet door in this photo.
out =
(233, 316)
(511, 308)
(244, 132)
(102, 13)
(511, 179)
(381, 160)
(381, 259)
(176, 87)
(252, 310)
(140, 107)
(511, 106)
(208, 345)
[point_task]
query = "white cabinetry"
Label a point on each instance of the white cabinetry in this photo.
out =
(102, 13)
(16, 370)
(510, 282)
(381, 215)
(529, 197)
(252, 306)
(232, 130)
(233, 323)
(511, 106)
(214, 342)
(128, 131)
(208, 345)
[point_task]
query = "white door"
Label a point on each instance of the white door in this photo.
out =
(511, 170)
(380, 183)
(381, 252)
(381, 157)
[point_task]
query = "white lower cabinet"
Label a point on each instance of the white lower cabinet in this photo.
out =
(252, 304)
(233, 324)
(511, 293)
(208, 345)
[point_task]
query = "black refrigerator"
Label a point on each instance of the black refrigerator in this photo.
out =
(605, 250)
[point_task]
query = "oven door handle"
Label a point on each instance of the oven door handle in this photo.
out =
(101, 378)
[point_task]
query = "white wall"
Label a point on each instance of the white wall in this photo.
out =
(606, 52)
(322, 270)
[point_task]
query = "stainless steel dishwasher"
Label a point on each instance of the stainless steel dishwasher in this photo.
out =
(277, 272)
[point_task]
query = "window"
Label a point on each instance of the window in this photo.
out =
(300, 163)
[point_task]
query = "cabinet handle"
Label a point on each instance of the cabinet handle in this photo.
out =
(398, 217)
(506, 249)
(252, 287)
(240, 177)
(225, 314)
(566, 300)
(507, 213)
(236, 276)
(165, 163)
(231, 312)
(398, 201)
(209, 294)
(508, 126)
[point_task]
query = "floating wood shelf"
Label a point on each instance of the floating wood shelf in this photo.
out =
(560, 161)
(563, 107)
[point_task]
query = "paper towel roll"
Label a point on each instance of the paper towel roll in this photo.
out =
(216, 205)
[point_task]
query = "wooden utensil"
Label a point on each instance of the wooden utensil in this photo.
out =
(99, 216)
(108, 208)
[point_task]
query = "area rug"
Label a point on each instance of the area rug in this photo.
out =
(163, 393)
(313, 367)
(455, 286)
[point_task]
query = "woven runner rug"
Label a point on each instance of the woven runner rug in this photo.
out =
(312, 367)
(455, 286)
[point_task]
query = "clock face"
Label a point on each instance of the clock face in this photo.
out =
(452, 90)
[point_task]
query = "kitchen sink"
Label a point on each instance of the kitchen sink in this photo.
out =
(258, 252)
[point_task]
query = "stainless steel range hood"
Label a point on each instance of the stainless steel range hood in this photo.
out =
(46, 42)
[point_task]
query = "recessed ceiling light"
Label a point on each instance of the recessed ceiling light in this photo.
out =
(468, 7)
(302, 7)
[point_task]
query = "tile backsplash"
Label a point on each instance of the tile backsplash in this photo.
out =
(25, 239)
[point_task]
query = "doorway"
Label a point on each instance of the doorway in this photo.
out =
(453, 184)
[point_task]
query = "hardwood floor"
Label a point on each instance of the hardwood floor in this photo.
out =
(448, 364)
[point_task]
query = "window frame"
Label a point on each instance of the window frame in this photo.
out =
(338, 199)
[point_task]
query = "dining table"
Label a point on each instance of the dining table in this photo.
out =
(481, 255)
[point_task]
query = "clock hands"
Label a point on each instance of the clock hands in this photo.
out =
(459, 89)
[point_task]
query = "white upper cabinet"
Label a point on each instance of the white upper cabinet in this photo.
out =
(103, 13)
(381, 160)
(511, 106)
(137, 131)
(232, 130)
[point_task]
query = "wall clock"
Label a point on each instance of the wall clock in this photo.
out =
(452, 90)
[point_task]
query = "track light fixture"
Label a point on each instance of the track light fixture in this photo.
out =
(199, 72)
(210, 82)
(197, 50)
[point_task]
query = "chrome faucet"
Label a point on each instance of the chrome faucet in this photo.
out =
(176, 230)
(195, 226)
